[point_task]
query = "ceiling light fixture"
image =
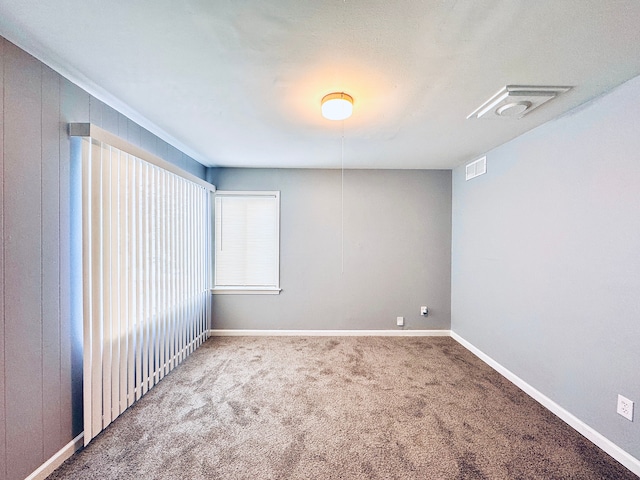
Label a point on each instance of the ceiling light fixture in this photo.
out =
(516, 101)
(337, 106)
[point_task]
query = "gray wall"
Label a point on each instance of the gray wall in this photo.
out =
(546, 260)
(397, 250)
(40, 347)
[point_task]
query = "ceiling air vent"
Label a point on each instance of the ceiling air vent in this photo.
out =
(516, 101)
(476, 168)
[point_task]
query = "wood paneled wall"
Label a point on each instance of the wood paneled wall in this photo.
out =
(40, 346)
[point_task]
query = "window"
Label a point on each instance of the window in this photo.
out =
(146, 244)
(247, 238)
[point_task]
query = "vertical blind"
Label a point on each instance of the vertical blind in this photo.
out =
(146, 263)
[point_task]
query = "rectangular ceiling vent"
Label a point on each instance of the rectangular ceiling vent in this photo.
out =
(476, 168)
(516, 101)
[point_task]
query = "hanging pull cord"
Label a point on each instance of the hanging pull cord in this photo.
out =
(342, 200)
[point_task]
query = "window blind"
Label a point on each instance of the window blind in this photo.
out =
(146, 257)
(247, 237)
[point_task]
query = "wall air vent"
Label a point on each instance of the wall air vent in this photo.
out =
(516, 101)
(476, 168)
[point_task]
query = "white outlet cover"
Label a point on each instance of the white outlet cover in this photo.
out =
(400, 321)
(625, 407)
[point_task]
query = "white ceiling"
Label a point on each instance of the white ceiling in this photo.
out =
(239, 82)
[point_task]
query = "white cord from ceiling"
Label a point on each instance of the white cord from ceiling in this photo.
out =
(342, 201)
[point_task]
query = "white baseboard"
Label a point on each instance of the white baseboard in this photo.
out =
(58, 459)
(626, 459)
(327, 333)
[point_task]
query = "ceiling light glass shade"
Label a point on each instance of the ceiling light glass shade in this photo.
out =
(337, 106)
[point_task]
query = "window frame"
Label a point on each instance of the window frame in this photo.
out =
(247, 289)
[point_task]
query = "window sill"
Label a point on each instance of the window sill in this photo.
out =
(245, 291)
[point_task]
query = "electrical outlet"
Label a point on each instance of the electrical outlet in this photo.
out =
(400, 321)
(424, 311)
(625, 407)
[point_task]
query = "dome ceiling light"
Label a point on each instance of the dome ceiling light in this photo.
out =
(337, 106)
(516, 101)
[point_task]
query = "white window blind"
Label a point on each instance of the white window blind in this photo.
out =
(247, 233)
(146, 256)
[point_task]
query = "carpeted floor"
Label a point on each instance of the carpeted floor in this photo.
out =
(338, 408)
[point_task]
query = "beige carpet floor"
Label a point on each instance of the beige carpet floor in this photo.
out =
(338, 408)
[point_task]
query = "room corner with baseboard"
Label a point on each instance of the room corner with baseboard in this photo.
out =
(544, 263)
